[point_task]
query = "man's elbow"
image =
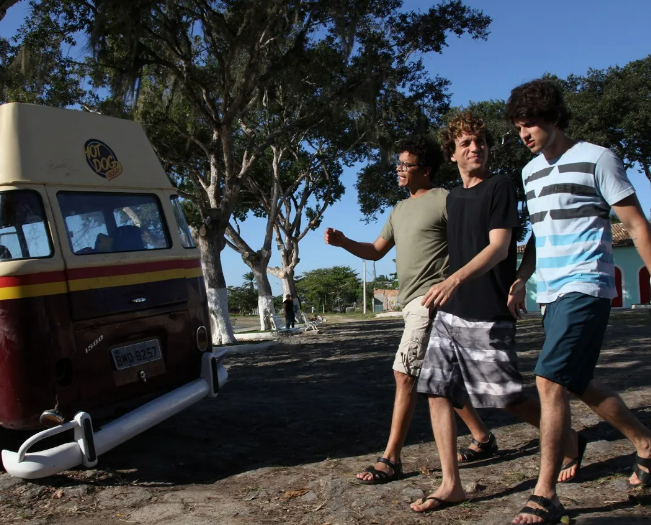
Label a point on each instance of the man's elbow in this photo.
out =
(502, 253)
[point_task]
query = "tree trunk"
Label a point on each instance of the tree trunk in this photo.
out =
(289, 287)
(265, 296)
(220, 322)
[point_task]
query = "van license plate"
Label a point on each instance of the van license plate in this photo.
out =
(136, 354)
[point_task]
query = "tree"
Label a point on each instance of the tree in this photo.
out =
(218, 58)
(243, 299)
(336, 286)
(612, 108)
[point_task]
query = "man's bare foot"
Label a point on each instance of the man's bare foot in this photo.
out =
(442, 497)
(573, 457)
(525, 517)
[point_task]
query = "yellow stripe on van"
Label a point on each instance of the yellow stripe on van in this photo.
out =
(32, 290)
(78, 285)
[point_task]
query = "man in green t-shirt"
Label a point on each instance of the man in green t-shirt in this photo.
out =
(417, 227)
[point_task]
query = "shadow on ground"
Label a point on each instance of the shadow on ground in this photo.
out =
(330, 396)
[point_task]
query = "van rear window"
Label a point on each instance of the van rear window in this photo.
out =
(113, 222)
(23, 230)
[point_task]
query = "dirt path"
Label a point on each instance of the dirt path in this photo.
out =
(284, 440)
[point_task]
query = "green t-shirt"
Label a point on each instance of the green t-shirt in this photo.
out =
(417, 226)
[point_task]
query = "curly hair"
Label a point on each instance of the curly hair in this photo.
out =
(464, 122)
(538, 99)
(426, 149)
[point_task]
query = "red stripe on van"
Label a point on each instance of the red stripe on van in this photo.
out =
(101, 271)
(32, 278)
(128, 269)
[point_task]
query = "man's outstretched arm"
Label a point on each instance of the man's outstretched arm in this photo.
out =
(371, 251)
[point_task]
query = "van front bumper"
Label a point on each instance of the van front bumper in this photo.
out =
(88, 444)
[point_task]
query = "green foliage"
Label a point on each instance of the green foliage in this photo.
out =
(612, 108)
(334, 287)
(243, 299)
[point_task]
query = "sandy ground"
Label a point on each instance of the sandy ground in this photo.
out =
(283, 441)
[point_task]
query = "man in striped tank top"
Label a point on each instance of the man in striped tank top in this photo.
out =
(571, 186)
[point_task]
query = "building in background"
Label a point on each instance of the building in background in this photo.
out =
(631, 276)
(385, 300)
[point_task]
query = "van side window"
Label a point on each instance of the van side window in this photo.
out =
(113, 222)
(23, 231)
(184, 229)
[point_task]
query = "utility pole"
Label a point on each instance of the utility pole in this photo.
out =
(364, 285)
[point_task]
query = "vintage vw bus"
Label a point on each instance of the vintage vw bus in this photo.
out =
(102, 300)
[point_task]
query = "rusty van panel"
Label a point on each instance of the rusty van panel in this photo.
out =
(35, 340)
(108, 290)
(101, 380)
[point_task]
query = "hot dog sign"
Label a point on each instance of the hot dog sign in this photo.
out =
(102, 159)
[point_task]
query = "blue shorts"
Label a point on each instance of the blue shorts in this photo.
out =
(575, 325)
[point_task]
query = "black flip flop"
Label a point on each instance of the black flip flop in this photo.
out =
(442, 504)
(583, 443)
(379, 476)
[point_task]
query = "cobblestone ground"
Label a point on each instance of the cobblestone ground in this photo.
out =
(283, 442)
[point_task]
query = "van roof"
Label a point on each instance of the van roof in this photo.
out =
(45, 145)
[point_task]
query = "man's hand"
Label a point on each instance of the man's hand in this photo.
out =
(334, 237)
(517, 301)
(440, 293)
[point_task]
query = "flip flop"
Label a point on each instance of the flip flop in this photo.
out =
(577, 461)
(379, 476)
(442, 504)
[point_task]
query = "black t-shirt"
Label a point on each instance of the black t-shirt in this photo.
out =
(288, 306)
(472, 214)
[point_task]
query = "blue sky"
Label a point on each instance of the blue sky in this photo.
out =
(526, 40)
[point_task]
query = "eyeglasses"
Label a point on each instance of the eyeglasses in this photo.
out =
(404, 166)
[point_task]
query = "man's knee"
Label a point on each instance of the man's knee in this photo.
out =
(437, 403)
(548, 388)
(403, 380)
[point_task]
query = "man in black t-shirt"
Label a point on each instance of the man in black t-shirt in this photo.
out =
(471, 352)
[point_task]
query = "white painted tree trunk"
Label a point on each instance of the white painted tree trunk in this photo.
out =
(217, 295)
(265, 305)
(220, 322)
(265, 296)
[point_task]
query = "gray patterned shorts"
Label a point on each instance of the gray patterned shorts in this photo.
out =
(472, 359)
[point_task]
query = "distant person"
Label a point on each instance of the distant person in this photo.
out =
(571, 187)
(417, 228)
(288, 307)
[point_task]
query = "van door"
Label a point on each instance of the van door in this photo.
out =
(127, 293)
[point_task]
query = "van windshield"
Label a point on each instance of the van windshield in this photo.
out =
(113, 222)
(23, 230)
